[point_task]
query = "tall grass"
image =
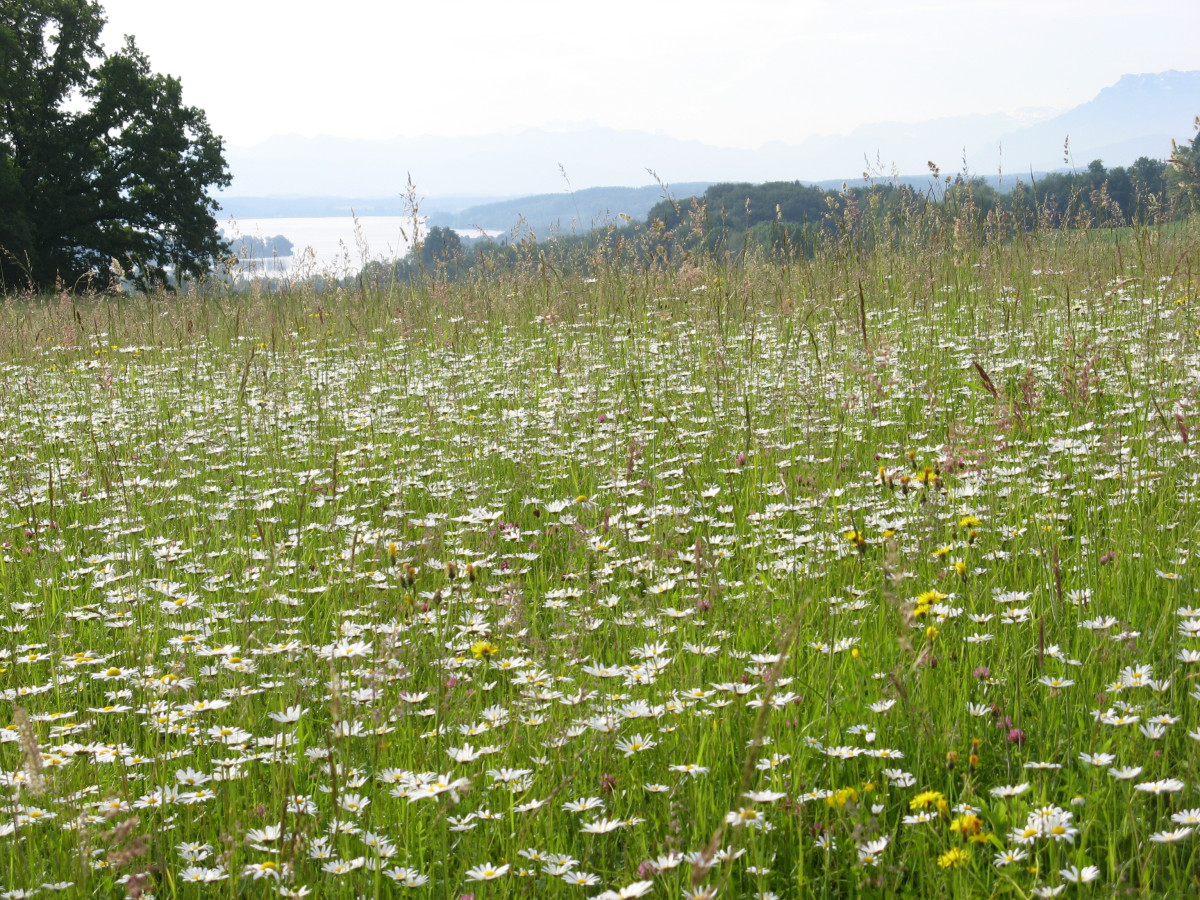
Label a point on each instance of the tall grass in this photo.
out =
(870, 574)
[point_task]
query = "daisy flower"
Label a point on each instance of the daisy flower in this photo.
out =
(486, 872)
(268, 869)
(406, 877)
(1076, 875)
(1162, 786)
(602, 826)
(1008, 857)
(635, 744)
(1171, 837)
(1010, 790)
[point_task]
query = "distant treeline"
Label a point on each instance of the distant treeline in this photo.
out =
(249, 247)
(783, 217)
(792, 220)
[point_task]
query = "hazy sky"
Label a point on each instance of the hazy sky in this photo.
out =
(736, 73)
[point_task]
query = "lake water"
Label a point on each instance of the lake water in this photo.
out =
(327, 245)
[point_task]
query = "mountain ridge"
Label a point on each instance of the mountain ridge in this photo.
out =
(1136, 116)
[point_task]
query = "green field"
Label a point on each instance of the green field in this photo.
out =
(871, 575)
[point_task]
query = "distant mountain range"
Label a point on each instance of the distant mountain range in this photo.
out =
(1137, 116)
(468, 177)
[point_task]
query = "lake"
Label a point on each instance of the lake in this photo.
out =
(336, 248)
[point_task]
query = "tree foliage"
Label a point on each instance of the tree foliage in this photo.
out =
(441, 247)
(1185, 171)
(100, 159)
(256, 247)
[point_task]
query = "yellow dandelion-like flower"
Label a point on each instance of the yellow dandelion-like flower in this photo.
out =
(967, 825)
(840, 798)
(954, 857)
(926, 599)
(480, 649)
(925, 799)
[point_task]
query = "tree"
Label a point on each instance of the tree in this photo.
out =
(254, 247)
(100, 160)
(1184, 177)
(1149, 177)
(442, 246)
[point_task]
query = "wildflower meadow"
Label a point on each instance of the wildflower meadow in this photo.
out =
(873, 574)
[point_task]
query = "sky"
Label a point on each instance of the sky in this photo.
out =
(732, 74)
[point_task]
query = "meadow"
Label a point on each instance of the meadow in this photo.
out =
(868, 575)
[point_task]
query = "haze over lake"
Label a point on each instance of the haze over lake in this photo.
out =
(334, 245)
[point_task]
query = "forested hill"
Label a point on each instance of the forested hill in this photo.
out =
(565, 212)
(1147, 189)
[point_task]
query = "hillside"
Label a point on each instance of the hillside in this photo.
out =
(566, 212)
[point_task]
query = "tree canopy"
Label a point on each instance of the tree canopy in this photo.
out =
(1185, 170)
(442, 246)
(100, 159)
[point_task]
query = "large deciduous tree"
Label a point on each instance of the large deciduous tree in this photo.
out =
(100, 160)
